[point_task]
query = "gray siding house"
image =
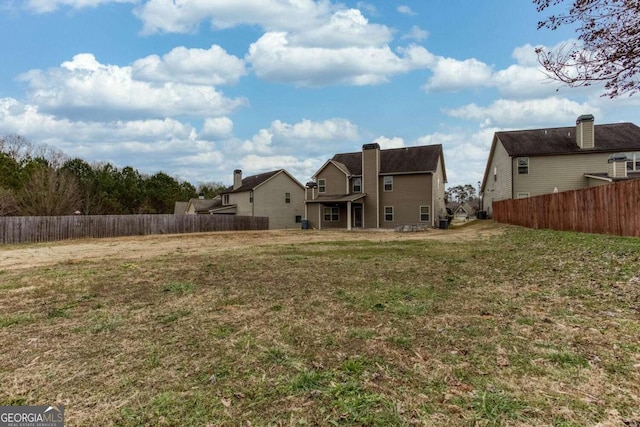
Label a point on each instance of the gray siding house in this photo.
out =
(529, 163)
(275, 194)
(378, 188)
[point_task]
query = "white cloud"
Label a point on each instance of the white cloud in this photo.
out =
(344, 28)
(406, 10)
(451, 74)
(417, 34)
(45, 6)
(274, 59)
(217, 127)
(212, 66)
(182, 16)
(301, 168)
(86, 88)
(523, 114)
(387, 143)
(309, 131)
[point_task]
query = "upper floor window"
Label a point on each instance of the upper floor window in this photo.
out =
(633, 162)
(322, 185)
(225, 199)
(250, 196)
(495, 174)
(357, 185)
(523, 166)
(287, 197)
(388, 183)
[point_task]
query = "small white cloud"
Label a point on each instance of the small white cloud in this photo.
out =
(213, 66)
(386, 143)
(450, 75)
(217, 127)
(46, 6)
(406, 10)
(522, 114)
(416, 34)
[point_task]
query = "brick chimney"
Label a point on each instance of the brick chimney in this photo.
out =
(617, 166)
(237, 179)
(371, 184)
(585, 131)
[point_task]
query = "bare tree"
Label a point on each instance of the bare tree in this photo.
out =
(8, 206)
(49, 192)
(609, 32)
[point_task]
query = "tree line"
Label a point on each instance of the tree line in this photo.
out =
(38, 180)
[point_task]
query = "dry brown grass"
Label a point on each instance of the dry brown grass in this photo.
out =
(487, 325)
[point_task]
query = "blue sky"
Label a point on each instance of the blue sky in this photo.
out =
(198, 88)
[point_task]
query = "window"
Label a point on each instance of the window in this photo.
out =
(633, 162)
(522, 195)
(332, 214)
(388, 213)
(495, 174)
(357, 185)
(287, 197)
(322, 185)
(225, 199)
(388, 183)
(298, 219)
(425, 214)
(523, 166)
(250, 196)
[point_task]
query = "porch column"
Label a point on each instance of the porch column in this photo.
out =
(320, 216)
(348, 215)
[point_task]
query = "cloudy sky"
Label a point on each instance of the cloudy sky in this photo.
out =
(198, 88)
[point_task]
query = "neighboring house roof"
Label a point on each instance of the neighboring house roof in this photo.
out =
(605, 176)
(204, 205)
(617, 137)
(420, 159)
(252, 182)
(180, 208)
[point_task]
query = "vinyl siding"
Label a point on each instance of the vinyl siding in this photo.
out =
(241, 200)
(336, 180)
(269, 200)
(499, 189)
(546, 173)
(409, 193)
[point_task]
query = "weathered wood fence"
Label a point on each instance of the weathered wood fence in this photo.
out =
(607, 209)
(51, 228)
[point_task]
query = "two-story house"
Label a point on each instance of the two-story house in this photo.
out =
(275, 194)
(529, 163)
(378, 188)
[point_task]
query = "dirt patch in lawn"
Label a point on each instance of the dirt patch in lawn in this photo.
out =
(145, 247)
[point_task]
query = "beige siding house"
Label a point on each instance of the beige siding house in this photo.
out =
(378, 188)
(276, 195)
(529, 163)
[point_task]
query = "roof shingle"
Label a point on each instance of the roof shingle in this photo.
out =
(397, 160)
(611, 138)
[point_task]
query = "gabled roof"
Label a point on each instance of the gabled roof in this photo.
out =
(613, 138)
(203, 205)
(254, 181)
(180, 208)
(343, 168)
(419, 159)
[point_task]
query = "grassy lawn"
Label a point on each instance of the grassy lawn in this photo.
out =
(526, 327)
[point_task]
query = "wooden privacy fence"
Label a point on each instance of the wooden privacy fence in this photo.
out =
(606, 209)
(24, 229)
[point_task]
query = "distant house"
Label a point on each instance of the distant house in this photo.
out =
(275, 194)
(462, 211)
(376, 188)
(529, 163)
(197, 206)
